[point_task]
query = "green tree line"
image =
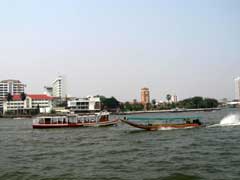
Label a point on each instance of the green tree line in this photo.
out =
(198, 102)
(190, 103)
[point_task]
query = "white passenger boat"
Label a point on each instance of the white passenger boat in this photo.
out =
(74, 120)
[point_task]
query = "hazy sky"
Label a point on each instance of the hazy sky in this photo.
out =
(115, 47)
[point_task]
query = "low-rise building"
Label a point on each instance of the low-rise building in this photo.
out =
(40, 102)
(88, 104)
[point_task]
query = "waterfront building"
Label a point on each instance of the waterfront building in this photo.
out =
(88, 104)
(174, 99)
(145, 96)
(237, 88)
(10, 86)
(31, 102)
(59, 87)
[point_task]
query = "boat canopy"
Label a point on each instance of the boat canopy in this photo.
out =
(162, 118)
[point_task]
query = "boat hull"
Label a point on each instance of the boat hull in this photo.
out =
(46, 126)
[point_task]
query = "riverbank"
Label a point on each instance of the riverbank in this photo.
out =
(15, 116)
(28, 116)
(171, 111)
(125, 113)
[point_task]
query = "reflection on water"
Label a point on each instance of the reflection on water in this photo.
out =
(120, 152)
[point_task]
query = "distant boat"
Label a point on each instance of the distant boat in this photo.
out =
(166, 122)
(97, 120)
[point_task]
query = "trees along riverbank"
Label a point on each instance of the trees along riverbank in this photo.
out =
(197, 102)
(190, 103)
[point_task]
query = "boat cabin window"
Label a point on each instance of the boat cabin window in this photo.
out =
(47, 120)
(64, 121)
(103, 118)
(60, 120)
(188, 121)
(197, 121)
(92, 119)
(72, 119)
(79, 119)
(41, 121)
(54, 120)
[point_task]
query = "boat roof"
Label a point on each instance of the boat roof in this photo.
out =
(103, 113)
(163, 118)
(74, 115)
(51, 116)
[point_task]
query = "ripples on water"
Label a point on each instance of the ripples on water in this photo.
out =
(120, 152)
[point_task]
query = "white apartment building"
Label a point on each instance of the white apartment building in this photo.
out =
(32, 101)
(237, 88)
(58, 87)
(10, 86)
(89, 104)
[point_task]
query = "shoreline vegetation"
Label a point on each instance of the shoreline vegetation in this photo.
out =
(170, 111)
(196, 103)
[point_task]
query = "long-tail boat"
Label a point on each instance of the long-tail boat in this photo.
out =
(153, 124)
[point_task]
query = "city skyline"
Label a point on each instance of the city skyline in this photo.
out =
(180, 47)
(143, 97)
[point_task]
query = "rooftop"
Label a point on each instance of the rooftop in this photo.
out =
(10, 80)
(33, 97)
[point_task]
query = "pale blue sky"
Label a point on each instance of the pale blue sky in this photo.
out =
(110, 47)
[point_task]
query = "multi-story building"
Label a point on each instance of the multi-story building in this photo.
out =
(31, 102)
(10, 86)
(145, 96)
(174, 99)
(237, 88)
(59, 87)
(89, 104)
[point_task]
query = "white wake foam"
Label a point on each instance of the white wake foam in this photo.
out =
(166, 128)
(172, 128)
(230, 120)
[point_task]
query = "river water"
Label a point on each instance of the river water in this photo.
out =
(122, 152)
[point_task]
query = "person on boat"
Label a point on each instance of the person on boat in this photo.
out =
(187, 121)
(197, 121)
